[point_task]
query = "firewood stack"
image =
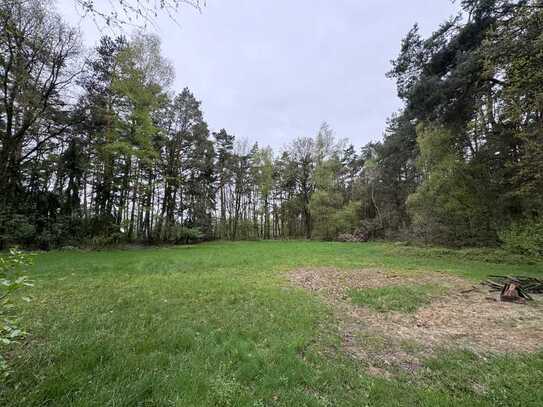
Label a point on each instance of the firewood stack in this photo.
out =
(515, 289)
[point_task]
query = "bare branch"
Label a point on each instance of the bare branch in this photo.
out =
(136, 13)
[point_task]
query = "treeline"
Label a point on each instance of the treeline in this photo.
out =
(468, 146)
(97, 148)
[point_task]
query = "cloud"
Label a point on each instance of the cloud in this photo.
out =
(270, 71)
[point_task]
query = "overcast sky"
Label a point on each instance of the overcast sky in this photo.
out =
(270, 71)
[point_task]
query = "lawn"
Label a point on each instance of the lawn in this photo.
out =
(219, 324)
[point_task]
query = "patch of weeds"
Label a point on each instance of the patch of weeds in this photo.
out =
(402, 298)
(411, 346)
(499, 380)
(225, 389)
(373, 341)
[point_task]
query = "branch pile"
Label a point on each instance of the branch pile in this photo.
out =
(360, 235)
(514, 288)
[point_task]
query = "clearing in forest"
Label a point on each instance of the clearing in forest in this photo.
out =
(285, 323)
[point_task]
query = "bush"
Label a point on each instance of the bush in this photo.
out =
(178, 234)
(188, 235)
(524, 238)
(15, 229)
(106, 241)
(12, 280)
(331, 218)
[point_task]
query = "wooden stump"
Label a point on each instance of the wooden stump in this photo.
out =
(511, 293)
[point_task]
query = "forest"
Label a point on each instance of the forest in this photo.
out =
(151, 258)
(97, 148)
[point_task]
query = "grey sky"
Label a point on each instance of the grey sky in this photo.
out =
(270, 71)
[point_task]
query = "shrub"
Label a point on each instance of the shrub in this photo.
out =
(106, 241)
(188, 235)
(332, 220)
(12, 267)
(524, 238)
(15, 228)
(179, 234)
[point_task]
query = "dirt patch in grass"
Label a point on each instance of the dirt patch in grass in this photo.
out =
(454, 317)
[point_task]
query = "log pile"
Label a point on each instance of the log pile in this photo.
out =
(358, 236)
(515, 289)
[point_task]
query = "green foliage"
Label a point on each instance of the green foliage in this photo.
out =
(474, 91)
(493, 255)
(12, 280)
(324, 207)
(450, 206)
(458, 163)
(102, 241)
(524, 237)
(330, 218)
(400, 298)
(188, 235)
(15, 228)
(347, 218)
(333, 212)
(179, 234)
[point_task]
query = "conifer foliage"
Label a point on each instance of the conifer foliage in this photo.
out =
(98, 148)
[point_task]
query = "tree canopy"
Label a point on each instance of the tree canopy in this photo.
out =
(130, 159)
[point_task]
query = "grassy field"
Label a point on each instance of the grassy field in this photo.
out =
(219, 324)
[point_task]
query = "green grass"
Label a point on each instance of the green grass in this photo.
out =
(402, 298)
(217, 324)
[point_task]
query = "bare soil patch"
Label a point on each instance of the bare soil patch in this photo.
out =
(459, 318)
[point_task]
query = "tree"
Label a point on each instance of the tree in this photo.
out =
(130, 12)
(38, 65)
(473, 87)
(302, 152)
(242, 186)
(98, 108)
(37, 52)
(224, 146)
(264, 181)
(140, 84)
(326, 200)
(459, 209)
(185, 144)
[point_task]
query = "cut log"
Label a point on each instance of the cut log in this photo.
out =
(511, 293)
(525, 285)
